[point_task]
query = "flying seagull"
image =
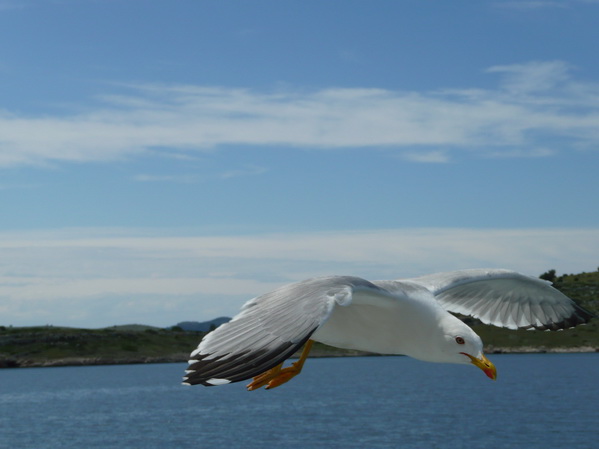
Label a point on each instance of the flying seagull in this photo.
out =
(408, 316)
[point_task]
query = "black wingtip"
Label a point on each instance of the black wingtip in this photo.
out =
(579, 316)
(209, 371)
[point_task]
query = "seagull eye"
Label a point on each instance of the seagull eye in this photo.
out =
(460, 340)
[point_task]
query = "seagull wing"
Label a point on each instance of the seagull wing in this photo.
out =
(504, 298)
(269, 329)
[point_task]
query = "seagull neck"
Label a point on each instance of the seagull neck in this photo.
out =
(421, 341)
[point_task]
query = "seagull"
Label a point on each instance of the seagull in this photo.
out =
(411, 317)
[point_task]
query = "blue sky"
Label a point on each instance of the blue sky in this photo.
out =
(165, 161)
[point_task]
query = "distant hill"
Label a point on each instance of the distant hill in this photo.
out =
(135, 343)
(133, 327)
(56, 346)
(204, 326)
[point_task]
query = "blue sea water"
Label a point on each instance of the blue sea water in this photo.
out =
(539, 401)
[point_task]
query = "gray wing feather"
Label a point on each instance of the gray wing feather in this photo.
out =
(504, 298)
(268, 330)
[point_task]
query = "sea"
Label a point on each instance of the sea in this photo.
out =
(539, 401)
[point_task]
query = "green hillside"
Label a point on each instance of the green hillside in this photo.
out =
(51, 346)
(582, 288)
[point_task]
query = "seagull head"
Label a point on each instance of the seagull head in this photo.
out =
(460, 344)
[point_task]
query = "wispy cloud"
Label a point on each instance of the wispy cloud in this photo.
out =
(533, 104)
(523, 153)
(178, 178)
(6, 5)
(90, 277)
(528, 5)
(192, 178)
(435, 156)
(533, 5)
(536, 76)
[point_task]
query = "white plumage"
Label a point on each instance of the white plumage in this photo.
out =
(409, 316)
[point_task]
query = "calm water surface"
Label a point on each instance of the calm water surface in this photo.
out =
(539, 401)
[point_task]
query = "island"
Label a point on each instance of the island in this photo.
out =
(45, 346)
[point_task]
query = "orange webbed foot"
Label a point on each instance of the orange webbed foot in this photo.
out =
(285, 375)
(278, 375)
(264, 378)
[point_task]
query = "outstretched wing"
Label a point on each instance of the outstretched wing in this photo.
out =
(268, 330)
(504, 298)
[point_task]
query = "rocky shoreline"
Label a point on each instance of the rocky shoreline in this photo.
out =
(89, 361)
(540, 350)
(183, 357)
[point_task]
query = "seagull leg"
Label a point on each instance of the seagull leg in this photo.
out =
(278, 375)
(264, 378)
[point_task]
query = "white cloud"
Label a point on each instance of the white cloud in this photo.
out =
(191, 178)
(523, 153)
(91, 277)
(534, 103)
(532, 5)
(178, 178)
(532, 76)
(436, 156)
(6, 5)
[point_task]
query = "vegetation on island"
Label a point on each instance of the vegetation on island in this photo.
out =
(583, 288)
(53, 346)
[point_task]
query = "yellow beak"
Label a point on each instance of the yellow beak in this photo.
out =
(484, 364)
